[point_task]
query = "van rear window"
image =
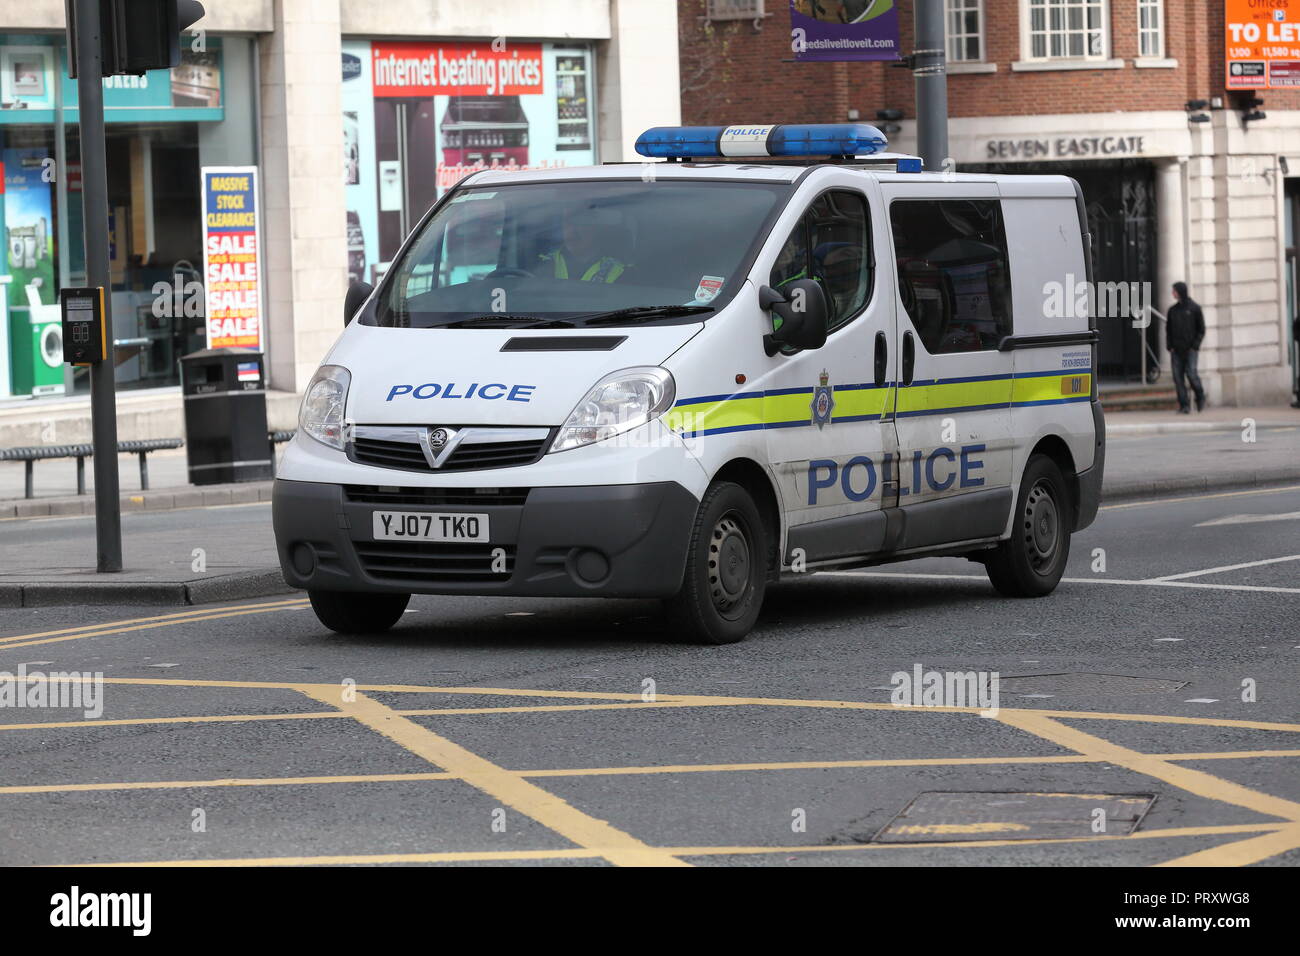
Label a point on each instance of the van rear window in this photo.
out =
(954, 277)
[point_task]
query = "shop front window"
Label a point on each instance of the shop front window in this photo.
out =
(420, 116)
(161, 129)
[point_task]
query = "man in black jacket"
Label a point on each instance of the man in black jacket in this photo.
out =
(1295, 337)
(1184, 330)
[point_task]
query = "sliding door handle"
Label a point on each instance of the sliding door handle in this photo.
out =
(909, 357)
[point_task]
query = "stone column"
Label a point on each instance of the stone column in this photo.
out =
(642, 45)
(303, 207)
(1171, 240)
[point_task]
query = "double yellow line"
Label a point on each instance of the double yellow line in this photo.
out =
(147, 623)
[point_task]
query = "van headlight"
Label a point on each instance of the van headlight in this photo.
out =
(321, 412)
(619, 402)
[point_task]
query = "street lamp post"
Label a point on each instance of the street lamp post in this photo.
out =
(930, 69)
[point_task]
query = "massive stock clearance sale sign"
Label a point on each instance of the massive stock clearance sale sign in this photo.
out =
(232, 257)
(1262, 44)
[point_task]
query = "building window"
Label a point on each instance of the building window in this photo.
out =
(966, 31)
(1151, 28)
(1067, 29)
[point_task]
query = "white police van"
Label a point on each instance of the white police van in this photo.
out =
(782, 350)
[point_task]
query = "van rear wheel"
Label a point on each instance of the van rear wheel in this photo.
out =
(726, 569)
(1030, 563)
(356, 612)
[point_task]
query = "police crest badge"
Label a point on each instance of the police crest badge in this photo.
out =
(823, 402)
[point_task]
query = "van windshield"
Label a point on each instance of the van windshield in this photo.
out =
(576, 253)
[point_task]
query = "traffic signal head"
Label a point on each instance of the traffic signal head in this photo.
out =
(147, 33)
(135, 35)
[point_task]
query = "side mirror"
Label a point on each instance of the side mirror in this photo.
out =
(358, 292)
(800, 314)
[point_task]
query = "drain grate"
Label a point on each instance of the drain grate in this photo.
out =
(1087, 684)
(944, 817)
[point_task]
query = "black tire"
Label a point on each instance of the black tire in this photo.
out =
(355, 612)
(1030, 563)
(726, 569)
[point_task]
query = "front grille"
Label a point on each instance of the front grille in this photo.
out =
(388, 454)
(415, 562)
(434, 497)
(495, 454)
(407, 455)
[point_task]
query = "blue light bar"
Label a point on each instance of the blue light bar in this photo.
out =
(788, 140)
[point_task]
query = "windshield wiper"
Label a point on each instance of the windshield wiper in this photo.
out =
(508, 322)
(644, 313)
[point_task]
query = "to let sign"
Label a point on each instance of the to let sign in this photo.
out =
(1262, 44)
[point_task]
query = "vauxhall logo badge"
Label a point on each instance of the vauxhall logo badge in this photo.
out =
(438, 443)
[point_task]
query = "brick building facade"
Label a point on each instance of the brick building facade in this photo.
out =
(1214, 202)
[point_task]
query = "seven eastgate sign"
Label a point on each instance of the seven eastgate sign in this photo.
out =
(1064, 147)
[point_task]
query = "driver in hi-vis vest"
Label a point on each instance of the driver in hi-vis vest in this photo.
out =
(586, 234)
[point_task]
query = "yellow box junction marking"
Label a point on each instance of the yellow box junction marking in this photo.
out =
(600, 839)
(510, 788)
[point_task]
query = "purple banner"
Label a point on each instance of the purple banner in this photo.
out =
(844, 29)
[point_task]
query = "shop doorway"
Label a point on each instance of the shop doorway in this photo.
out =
(155, 233)
(1119, 197)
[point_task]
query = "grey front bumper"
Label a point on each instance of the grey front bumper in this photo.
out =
(578, 541)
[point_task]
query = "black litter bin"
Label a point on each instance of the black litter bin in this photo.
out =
(225, 416)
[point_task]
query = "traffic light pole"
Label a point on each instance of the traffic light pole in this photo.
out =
(94, 186)
(930, 69)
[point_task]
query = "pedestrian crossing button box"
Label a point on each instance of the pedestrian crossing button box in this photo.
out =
(85, 337)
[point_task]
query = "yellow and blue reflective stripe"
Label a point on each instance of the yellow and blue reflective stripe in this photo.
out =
(774, 408)
(971, 393)
(792, 407)
(1051, 388)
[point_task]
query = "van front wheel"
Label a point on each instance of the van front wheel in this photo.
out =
(1032, 560)
(355, 612)
(726, 569)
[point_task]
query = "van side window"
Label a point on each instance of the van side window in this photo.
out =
(954, 277)
(792, 261)
(831, 245)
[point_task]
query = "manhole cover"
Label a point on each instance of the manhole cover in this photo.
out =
(1087, 684)
(938, 817)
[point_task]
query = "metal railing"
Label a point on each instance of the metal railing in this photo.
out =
(1150, 355)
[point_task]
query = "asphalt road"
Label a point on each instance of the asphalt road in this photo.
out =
(1158, 695)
